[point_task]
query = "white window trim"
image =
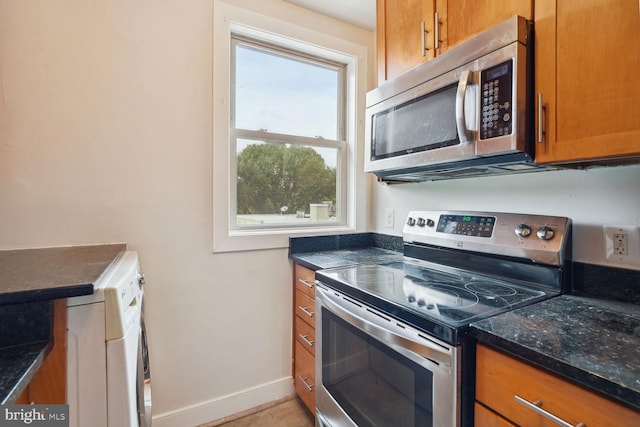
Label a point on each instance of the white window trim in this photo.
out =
(228, 18)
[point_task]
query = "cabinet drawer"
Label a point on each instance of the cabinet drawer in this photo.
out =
(305, 334)
(305, 280)
(487, 418)
(304, 376)
(503, 383)
(305, 308)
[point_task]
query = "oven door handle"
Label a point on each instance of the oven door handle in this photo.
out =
(399, 342)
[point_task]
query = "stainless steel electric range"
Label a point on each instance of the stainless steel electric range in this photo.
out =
(393, 340)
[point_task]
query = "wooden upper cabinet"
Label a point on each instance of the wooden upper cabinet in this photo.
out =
(587, 60)
(402, 44)
(462, 19)
(399, 37)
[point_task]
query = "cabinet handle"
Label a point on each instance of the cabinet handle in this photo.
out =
(306, 340)
(537, 407)
(306, 311)
(307, 284)
(424, 33)
(306, 384)
(541, 110)
(436, 33)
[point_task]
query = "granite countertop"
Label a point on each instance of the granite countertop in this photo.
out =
(345, 257)
(29, 280)
(342, 250)
(51, 273)
(592, 341)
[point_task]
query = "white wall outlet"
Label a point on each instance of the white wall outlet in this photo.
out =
(622, 244)
(389, 215)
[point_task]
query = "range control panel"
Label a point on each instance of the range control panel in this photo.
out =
(537, 237)
(466, 225)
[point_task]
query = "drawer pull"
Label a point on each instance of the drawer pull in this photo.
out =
(306, 340)
(306, 384)
(306, 311)
(537, 407)
(307, 284)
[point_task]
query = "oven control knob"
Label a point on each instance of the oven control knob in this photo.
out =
(411, 222)
(430, 223)
(421, 222)
(546, 233)
(523, 230)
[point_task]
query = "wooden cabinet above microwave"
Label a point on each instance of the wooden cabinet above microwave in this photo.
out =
(407, 33)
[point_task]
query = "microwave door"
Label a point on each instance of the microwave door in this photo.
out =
(429, 124)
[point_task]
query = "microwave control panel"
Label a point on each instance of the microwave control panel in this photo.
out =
(496, 101)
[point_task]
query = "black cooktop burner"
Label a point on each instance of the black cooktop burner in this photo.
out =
(439, 294)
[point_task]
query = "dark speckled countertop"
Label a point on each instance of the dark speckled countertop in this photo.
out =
(29, 280)
(50, 273)
(345, 257)
(592, 341)
(322, 252)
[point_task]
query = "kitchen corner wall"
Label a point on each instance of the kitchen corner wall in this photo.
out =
(591, 198)
(106, 136)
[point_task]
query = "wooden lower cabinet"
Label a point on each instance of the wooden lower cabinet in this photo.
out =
(304, 379)
(49, 384)
(504, 383)
(304, 335)
(485, 417)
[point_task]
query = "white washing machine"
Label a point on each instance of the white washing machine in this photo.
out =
(108, 376)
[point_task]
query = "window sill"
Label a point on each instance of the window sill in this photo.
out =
(254, 240)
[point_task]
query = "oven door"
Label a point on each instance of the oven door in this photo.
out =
(372, 370)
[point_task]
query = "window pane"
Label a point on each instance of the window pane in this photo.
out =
(284, 183)
(285, 95)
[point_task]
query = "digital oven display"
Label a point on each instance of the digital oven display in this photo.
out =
(467, 225)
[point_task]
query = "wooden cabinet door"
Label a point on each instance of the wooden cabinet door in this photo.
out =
(463, 19)
(399, 38)
(587, 60)
(500, 378)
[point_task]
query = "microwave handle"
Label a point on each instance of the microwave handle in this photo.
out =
(465, 135)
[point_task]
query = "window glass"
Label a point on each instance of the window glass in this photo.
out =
(287, 131)
(282, 183)
(285, 94)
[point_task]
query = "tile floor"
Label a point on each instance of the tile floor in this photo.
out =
(291, 413)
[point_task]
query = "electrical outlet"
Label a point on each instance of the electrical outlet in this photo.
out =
(622, 245)
(388, 217)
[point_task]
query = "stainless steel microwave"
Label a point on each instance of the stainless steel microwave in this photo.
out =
(468, 112)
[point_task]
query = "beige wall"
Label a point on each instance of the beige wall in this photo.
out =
(105, 136)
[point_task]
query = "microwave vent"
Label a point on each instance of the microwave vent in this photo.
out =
(506, 164)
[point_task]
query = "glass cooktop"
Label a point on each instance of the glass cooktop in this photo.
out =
(449, 296)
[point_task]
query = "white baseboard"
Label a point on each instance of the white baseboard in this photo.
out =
(225, 406)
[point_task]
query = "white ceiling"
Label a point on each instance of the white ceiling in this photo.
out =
(357, 12)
